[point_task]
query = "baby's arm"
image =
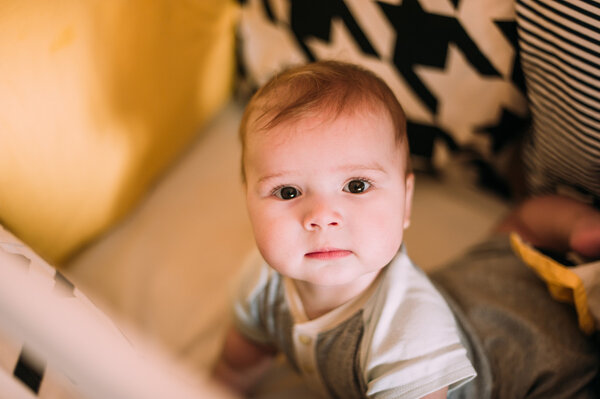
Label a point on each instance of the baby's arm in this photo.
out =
(242, 361)
(557, 223)
(441, 394)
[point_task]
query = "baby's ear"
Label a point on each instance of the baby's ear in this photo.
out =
(408, 197)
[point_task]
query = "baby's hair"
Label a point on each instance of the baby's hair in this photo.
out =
(323, 89)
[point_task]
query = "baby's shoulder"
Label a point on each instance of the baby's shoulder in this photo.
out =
(407, 308)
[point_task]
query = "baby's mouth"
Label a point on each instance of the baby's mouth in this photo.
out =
(328, 253)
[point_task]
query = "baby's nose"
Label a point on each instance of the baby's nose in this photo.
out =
(321, 214)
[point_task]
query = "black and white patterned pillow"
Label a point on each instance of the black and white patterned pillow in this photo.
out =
(454, 64)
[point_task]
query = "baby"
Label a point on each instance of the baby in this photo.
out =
(328, 188)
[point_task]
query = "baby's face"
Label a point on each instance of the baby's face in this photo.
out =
(328, 201)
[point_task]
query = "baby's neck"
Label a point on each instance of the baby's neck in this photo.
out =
(318, 300)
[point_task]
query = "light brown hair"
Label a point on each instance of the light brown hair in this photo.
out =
(322, 88)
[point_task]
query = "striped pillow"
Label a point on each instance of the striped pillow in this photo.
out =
(560, 53)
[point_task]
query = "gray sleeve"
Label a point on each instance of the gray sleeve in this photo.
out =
(247, 304)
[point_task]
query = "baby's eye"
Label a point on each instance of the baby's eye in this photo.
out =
(286, 193)
(357, 186)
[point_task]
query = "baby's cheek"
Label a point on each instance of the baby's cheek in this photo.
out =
(271, 243)
(391, 232)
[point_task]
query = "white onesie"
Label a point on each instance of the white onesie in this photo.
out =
(398, 339)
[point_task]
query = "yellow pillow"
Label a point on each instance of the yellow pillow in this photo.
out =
(96, 98)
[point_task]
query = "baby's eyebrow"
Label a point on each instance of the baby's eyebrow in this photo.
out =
(376, 167)
(373, 167)
(272, 176)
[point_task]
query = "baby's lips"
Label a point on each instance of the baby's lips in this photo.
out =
(328, 253)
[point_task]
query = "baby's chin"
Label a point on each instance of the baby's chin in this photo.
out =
(338, 280)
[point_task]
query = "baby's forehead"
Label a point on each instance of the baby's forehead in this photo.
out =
(269, 123)
(322, 130)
